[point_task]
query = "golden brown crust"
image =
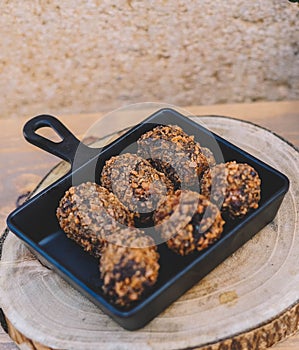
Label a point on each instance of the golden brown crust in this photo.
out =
(235, 187)
(135, 182)
(188, 221)
(168, 170)
(88, 213)
(129, 266)
(174, 147)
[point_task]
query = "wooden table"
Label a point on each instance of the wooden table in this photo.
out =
(23, 166)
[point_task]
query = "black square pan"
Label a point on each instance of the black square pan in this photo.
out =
(36, 224)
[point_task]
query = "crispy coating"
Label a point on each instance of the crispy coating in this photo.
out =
(235, 187)
(175, 148)
(89, 213)
(188, 222)
(168, 170)
(135, 182)
(129, 266)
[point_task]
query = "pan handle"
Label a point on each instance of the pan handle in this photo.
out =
(65, 149)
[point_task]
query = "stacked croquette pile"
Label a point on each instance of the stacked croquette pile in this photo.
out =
(158, 186)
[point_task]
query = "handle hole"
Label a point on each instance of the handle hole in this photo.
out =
(48, 133)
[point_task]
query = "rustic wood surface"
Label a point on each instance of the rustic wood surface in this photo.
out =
(280, 117)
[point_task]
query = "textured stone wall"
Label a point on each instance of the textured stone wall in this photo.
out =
(85, 56)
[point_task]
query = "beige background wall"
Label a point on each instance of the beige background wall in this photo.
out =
(84, 56)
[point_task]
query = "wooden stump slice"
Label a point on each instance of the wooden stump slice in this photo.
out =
(249, 301)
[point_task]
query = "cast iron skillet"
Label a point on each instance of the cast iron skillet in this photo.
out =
(36, 224)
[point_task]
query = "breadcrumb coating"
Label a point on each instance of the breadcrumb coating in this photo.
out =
(188, 222)
(129, 266)
(135, 182)
(89, 213)
(235, 187)
(171, 145)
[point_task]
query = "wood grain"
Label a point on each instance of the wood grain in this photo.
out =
(230, 293)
